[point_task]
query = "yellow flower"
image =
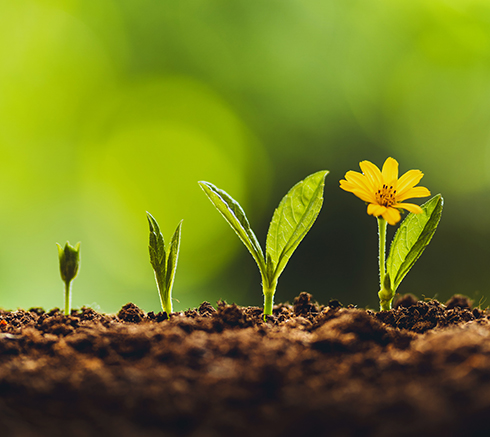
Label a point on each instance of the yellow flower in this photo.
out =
(383, 190)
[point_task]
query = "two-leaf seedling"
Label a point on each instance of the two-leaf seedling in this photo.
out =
(411, 239)
(164, 261)
(290, 223)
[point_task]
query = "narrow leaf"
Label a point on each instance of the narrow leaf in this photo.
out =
(236, 218)
(173, 257)
(412, 237)
(292, 220)
(157, 244)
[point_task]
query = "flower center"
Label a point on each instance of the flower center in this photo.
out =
(386, 196)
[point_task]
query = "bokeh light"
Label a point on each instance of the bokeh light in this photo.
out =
(111, 108)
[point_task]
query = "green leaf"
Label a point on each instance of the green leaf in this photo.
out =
(236, 218)
(412, 237)
(292, 220)
(157, 244)
(173, 256)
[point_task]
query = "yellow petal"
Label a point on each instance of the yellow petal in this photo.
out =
(407, 181)
(347, 186)
(375, 209)
(359, 179)
(409, 207)
(392, 216)
(390, 171)
(363, 196)
(344, 182)
(413, 192)
(373, 175)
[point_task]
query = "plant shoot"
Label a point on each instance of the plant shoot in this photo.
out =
(164, 261)
(69, 265)
(290, 223)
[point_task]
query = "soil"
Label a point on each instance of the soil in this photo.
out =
(420, 369)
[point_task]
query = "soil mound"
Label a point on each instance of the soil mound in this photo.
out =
(422, 368)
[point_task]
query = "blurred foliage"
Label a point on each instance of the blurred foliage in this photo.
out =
(111, 108)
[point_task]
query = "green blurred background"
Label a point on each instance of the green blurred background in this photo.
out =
(111, 108)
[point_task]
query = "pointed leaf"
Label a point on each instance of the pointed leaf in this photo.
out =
(412, 237)
(236, 218)
(293, 219)
(157, 244)
(173, 257)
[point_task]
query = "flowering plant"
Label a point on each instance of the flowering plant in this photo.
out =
(385, 192)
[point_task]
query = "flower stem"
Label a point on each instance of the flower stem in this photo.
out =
(385, 293)
(382, 250)
(67, 298)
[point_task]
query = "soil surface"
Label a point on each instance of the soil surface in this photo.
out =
(420, 369)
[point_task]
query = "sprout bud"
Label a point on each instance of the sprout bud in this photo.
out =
(69, 265)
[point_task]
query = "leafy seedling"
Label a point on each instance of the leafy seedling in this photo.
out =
(69, 265)
(164, 261)
(290, 223)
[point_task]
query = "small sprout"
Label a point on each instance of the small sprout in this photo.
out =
(384, 192)
(290, 223)
(69, 265)
(164, 261)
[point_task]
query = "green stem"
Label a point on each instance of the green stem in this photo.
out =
(269, 289)
(67, 298)
(385, 294)
(168, 303)
(382, 250)
(165, 298)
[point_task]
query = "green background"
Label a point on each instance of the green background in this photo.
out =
(112, 108)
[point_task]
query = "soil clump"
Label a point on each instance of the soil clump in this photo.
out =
(421, 369)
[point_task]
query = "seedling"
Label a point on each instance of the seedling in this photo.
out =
(69, 265)
(290, 223)
(384, 192)
(164, 261)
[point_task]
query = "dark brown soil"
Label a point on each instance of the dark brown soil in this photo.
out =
(420, 369)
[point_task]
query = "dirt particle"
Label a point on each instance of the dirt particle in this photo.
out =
(230, 316)
(334, 303)
(131, 313)
(206, 309)
(159, 317)
(405, 301)
(458, 300)
(303, 305)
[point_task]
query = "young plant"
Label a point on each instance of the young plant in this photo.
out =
(384, 193)
(69, 265)
(164, 261)
(290, 223)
